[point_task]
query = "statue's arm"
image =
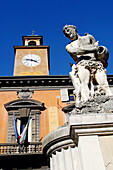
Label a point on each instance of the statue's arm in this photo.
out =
(80, 50)
(89, 49)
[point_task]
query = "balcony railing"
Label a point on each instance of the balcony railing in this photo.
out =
(14, 148)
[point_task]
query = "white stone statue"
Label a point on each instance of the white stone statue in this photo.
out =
(91, 61)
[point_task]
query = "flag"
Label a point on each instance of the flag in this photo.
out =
(24, 133)
(20, 138)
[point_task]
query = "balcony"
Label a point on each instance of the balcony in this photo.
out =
(13, 148)
(11, 156)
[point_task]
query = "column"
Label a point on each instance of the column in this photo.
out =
(90, 153)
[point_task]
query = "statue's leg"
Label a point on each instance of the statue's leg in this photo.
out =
(92, 89)
(101, 79)
(84, 76)
(76, 84)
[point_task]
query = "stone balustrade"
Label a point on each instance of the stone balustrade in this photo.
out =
(14, 148)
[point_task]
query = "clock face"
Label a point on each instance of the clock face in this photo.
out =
(31, 60)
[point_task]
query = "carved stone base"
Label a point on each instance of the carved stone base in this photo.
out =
(98, 104)
(85, 143)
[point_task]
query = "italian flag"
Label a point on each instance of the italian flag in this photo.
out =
(20, 138)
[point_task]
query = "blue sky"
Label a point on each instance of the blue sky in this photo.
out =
(47, 18)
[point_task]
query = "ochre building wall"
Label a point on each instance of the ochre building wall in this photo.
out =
(53, 116)
(50, 118)
(5, 97)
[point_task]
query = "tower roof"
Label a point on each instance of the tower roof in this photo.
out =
(32, 37)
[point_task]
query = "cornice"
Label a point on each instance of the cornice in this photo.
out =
(46, 82)
(35, 82)
(31, 47)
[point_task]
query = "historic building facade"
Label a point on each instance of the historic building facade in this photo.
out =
(31, 90)
(48, 99)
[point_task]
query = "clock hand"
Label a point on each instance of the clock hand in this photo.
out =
(28, 59)
(31, 60)
(34, 60)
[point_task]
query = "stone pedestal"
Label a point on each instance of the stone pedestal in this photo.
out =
(84, 143)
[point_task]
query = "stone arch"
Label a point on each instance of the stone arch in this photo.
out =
(32, 43)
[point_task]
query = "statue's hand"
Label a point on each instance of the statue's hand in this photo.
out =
(93, 49)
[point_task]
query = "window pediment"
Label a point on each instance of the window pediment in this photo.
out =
(26, 103)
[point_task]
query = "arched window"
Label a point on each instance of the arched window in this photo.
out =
(32, 43)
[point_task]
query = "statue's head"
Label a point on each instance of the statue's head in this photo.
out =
(70, 32)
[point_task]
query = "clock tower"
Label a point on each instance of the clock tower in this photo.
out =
(32, 58)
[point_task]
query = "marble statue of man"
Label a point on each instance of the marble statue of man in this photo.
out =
(91, 61)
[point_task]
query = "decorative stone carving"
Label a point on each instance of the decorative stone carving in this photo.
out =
(91, 61)
(25, 94)
(98, 104)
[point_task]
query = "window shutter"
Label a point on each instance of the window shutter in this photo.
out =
(64, 95)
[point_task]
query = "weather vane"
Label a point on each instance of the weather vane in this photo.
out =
(33, 32)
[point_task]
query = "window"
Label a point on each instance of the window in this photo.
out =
(71, 97)
(64, 95)
(21, 109)
(67, 95)
(32, 43)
